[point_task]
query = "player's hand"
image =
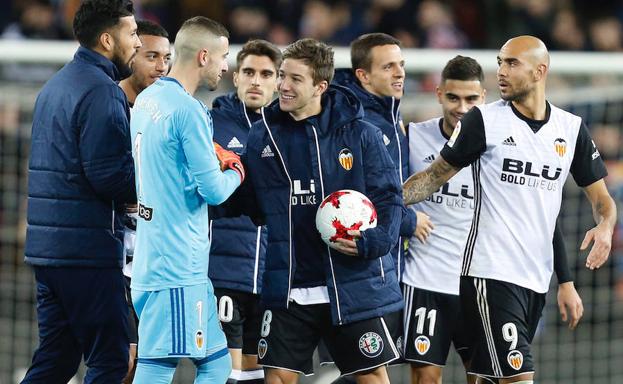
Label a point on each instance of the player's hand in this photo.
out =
(229, 160)
(424, 226)
(601, 237)
(348, 247)
(570, 304)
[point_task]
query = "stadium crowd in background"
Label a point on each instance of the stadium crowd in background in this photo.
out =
(561, 24)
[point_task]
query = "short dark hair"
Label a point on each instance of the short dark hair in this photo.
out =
(146, 27)
(317, 55)
(202, 22)
(96, 16)
(259, 47)
(462, 68)
(361, 48)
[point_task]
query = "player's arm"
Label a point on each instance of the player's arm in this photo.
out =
(589, 170)
(383, 189)
(194, 129)
(105, 145)
(422, 184)
(569, 301)
(605, 214)
(465, 146)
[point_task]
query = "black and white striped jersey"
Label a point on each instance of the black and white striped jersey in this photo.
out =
(519, 167)
(436, 265)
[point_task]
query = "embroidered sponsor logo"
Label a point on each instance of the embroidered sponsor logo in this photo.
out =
(515, 359)
(346, 159)
(267, 152)
(509, 141)
(422, 344)
(234, 143)
(371, 344)
(596, 153)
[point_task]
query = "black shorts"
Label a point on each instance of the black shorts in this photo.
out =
(289, 337)
(132, 318)
(241, 316)
(433, 321)
(394, 325)
(503, 319)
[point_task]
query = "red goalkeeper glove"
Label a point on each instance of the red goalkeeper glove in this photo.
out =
(229, 160)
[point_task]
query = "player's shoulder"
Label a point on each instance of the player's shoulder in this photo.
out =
(567, 118)
(495, 106)
(425, 125)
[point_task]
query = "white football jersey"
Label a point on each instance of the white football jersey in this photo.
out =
(519, 174)
(436, 265)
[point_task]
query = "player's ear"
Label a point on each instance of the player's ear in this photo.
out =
(235, 79)
(361, 75)
(106, 40)
(439, 93)
(203, 57)
(321, 87)
(540, 72)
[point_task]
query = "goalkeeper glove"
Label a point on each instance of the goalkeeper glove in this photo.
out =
(229, 160)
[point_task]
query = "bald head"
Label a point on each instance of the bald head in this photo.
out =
(529, 48)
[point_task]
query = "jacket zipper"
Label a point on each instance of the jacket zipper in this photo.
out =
(395, 123)
(272, 139)
(337, 296)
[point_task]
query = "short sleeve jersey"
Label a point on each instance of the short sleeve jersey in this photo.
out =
(436, 264)
(519, 169)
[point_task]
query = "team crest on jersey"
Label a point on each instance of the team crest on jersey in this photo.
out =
(560, 145)
(262, 347)
(199, 339)
(422, 344)
(455, 134)
(371, 344)
(346, 159)
(515, 359)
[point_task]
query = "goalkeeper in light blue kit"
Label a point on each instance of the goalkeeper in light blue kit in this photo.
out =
(177, 175)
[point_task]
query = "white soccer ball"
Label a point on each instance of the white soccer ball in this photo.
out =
(341, 211)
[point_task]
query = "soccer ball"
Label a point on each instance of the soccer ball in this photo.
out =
(341, 211)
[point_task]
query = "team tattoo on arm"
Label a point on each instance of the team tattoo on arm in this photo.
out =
(422, 184)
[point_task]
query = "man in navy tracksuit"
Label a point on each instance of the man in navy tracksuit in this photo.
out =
(312, 292)
(81, 174)
(377, 79)
(238, 246)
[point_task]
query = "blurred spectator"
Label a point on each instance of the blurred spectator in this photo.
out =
(248, 22)
(606, 34)
(531, 17)
(334, 22)
(566, 32)
(450, 24)
(36, 20)
(437, 27)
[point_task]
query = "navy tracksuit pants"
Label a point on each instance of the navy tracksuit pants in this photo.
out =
(82, 312)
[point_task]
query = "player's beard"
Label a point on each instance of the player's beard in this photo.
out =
(124, 68)
(519, 95)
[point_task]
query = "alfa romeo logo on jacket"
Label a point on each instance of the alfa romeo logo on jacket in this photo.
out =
(371, 344)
